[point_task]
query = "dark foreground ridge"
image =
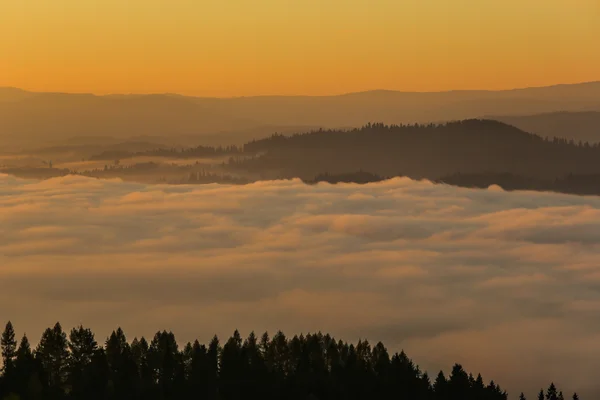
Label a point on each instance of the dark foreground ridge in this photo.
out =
(314, 366)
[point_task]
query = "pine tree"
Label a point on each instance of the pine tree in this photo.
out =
(139, 353)
(82, 346)
(164, 359)
(8, 344)
(440, 386)
(458, 383)
(53, 355)
(198, 372)
(96, 376)
(381, 362)
(24, 350)
(575, 396)
(138, 350)
(213, 355)
(232, 368)
(478, 387)
(115, 345)
(24, 364)
(522, 396)
(551, 393)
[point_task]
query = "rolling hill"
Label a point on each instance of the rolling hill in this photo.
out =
(57, 118)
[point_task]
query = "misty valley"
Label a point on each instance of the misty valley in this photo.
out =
(469, 153)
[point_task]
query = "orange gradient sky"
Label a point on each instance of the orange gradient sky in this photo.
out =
(255, 47)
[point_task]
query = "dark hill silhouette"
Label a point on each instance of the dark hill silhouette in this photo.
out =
(584, 126)
(420, 151)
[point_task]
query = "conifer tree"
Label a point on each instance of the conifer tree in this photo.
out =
(82, 347)
(440, 386)
(551, 392)
(52, 352)
(8, 344)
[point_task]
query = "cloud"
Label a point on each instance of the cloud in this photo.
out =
(507, 283)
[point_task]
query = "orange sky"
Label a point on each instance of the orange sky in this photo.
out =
(253, 47)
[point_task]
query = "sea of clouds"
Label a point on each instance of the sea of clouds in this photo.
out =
(506, 283)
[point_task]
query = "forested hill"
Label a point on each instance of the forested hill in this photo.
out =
(77, 365)
(421, 151)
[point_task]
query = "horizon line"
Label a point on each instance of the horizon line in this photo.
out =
(303, 95)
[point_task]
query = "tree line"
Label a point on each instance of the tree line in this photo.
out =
(312, 366)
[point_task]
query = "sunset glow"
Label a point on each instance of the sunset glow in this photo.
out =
(242, 47)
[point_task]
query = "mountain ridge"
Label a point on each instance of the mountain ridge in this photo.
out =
(451, 91)
(56, 117)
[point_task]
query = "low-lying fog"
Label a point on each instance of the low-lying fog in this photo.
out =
(506, 283)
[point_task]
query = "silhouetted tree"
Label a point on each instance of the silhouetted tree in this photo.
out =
(551, 393)
(82, 347)
(139, 354)
(96, 377)
(123, 376)
(440, 387)
(458, 384)
(8, 344)
(52, 352)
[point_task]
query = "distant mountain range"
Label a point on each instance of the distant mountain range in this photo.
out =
(55, 118)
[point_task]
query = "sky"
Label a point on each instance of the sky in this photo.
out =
(505, 283)
(316, 47)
